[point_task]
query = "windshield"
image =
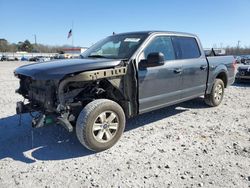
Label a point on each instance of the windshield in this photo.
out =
(115, 47)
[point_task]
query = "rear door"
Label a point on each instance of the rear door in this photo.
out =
(159, 86)
(194, 66)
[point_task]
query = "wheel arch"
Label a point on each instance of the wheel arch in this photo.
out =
(223, 76)
(219, 73)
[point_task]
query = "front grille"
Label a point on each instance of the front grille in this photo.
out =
(244, 72)
(40, 93)
(37, 94)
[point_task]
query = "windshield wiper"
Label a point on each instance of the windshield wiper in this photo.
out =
(97, 56)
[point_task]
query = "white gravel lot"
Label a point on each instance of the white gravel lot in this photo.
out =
(187, 145)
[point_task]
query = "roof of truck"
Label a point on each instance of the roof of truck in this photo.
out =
(154, 32)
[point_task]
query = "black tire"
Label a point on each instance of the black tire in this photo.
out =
(212, 99)
(94, 112)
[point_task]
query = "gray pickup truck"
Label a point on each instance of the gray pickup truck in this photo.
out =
(120, 77)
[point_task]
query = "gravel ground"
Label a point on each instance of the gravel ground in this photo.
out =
(187, 145)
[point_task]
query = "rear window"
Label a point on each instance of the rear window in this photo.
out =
(186, 47)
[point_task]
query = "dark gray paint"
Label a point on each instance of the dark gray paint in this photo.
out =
(220, 64)
(194, 77)
(157, 86)
(58, 69)
(160, 87)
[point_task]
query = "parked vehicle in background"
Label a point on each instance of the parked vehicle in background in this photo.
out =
(64, 56)
(59, 56)
(120, 77)
(43, 59)
(243, 73)
(24, 59)
(35, 58)
(12, 58)
(245, 59)
(8, 58)
(4, 58)
(238, 59)
(39, 59)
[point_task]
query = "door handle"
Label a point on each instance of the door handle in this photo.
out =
(177, 71)
(203, 67)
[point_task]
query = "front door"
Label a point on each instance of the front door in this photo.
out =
(159, 86)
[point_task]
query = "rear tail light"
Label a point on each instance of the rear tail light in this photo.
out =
(234, 65)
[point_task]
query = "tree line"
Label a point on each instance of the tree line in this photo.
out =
(237, 51)
(27, 46)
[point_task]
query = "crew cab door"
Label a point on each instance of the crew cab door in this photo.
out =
(194, 66)
(159, 85)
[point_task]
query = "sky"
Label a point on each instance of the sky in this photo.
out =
(217, 22)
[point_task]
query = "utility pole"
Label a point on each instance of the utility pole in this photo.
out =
(238, 47)
(35, 38)
(35, 48)
(238, 44)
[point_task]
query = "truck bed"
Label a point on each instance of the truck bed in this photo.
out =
(218, 63)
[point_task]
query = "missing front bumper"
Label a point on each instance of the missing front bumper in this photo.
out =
(44, 119)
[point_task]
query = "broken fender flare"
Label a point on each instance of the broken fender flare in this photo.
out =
(87, 76)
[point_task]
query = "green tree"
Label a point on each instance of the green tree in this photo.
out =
(3, 45)
(25, 46)
(12, 47)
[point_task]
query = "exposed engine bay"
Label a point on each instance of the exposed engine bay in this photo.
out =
(61, 101)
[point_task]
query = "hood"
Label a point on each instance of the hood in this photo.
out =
(59, 68)
(244, 67)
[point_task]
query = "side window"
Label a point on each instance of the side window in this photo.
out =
(161, 44)
(186, 47)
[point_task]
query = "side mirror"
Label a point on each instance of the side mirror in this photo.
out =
(154, 59)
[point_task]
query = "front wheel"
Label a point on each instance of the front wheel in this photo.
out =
(100, 124)
(216, 95)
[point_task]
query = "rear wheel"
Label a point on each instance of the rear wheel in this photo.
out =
(100, 124)
(216, 95)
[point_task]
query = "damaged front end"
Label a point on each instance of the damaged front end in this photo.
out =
(41, 100)
(60, 101)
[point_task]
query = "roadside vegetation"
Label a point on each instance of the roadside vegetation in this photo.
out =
(27, 46)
